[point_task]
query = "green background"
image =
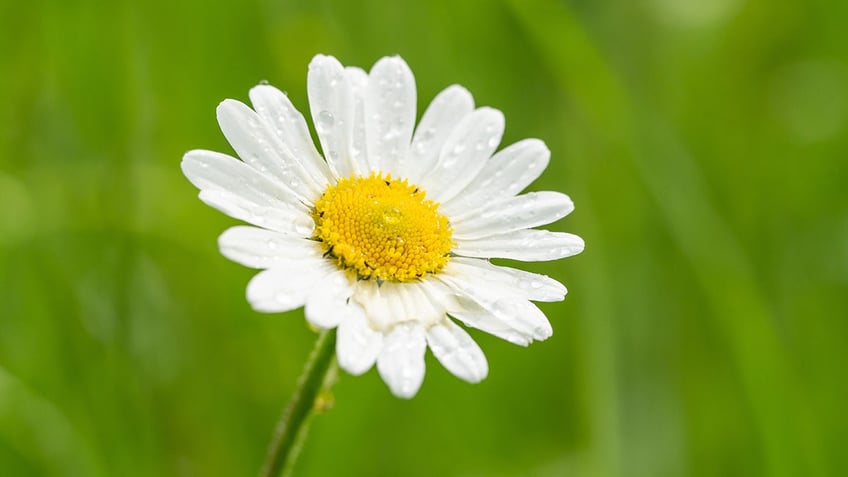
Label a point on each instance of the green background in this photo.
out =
(705, 333)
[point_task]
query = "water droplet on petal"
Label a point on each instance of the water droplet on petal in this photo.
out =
(304, 227)
(325, 120)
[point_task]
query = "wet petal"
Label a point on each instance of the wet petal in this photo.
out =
(331, 103)
(445, 112)
(258, 145)
(464, 154)
(389, 115)
(241, 192)
(517, 213)
(260, 248)
(285, 288)
(278, 111)
(357, 345)
(457, 352)
(508, 281)
(329, 304)
(401, 361)
(506, 174)
(525, 245)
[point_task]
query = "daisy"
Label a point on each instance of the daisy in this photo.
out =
(387, 235)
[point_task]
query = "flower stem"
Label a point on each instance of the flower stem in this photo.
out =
(294, 423)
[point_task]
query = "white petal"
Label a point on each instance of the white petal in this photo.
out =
(358, 80)
(259, 147)
(380, 304)
(445, 112)
(506, 174)
(525, 245)
(514, 319)
(260, 248)
(278, 111)
(392, 303)
(401, 361)
(357, 344)
(285, 288)
(458, 352)
(464, 154)
(421, 305)
(331, 103)
(328, 304)
(390, 114)
(510, 281)
(241, 192)
(516, 213)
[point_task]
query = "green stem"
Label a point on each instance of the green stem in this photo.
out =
(295, 419)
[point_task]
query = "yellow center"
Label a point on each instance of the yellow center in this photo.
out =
(382, 228)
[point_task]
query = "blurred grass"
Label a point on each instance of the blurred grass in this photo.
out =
(705, 333)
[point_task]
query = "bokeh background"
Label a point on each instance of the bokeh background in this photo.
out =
(705, 333)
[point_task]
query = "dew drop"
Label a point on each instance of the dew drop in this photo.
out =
(271, 243)
(325, 120)
(304, 227)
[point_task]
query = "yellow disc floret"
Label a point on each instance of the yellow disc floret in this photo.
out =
(382, 228)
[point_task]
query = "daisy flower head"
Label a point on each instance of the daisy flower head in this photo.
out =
(387, 235)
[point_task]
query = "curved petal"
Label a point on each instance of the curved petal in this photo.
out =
(391, 303)
(259, 147)
(445, 112)
(331, 103)
(241, 192)
(285, 288)
(508, 317)
(464, 154)
(277, 110)
(509, 281)
(506, 174)
(358, 80)
(383, 305)
(260, 248)
(517, 213)
(390, 115)
(525, 245)
(401, 361)
(357, 344)
(421, 305)
(328, 304)
(458, 352)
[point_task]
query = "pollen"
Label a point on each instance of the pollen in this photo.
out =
(382, 228)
